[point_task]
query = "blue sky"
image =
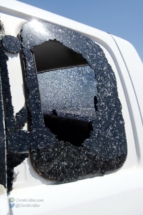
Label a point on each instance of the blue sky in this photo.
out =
(123, 18)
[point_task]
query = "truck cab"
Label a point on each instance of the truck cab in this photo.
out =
(71, 117)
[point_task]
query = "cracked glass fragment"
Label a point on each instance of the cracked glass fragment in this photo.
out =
(66, 163)
(13, 123)
(11, 44)
(13, 160)
(2, 139)
(70, 92)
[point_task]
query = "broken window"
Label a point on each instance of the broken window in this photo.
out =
(70, 87)
(54, 55)
(67, 89)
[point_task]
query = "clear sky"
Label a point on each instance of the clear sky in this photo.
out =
(123, 18)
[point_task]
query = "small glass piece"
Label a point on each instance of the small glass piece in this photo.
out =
(11, 44)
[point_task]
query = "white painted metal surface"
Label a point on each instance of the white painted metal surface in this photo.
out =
(117, 193)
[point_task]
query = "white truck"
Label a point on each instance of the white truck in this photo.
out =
(71, 117)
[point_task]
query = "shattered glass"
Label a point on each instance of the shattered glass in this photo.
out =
(11, 44)
(2, 135)
(8, 159)
(56, 157)
(107, 141)
(70, 92)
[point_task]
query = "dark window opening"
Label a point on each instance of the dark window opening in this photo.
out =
(53, 55)
(68, 92)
